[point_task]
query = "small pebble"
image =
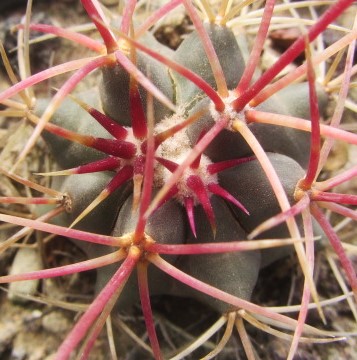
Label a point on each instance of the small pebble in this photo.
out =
(26, 260)
(56, 322)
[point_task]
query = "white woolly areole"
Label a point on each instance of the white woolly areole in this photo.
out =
(172, 148)
(177, 143)
(176, 149)
(132, 139)
(228, 111)
(137, 142)
(201, 172)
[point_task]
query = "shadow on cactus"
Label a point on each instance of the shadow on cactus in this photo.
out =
(178, 160)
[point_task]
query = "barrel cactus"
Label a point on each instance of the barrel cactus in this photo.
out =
(185, 172)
